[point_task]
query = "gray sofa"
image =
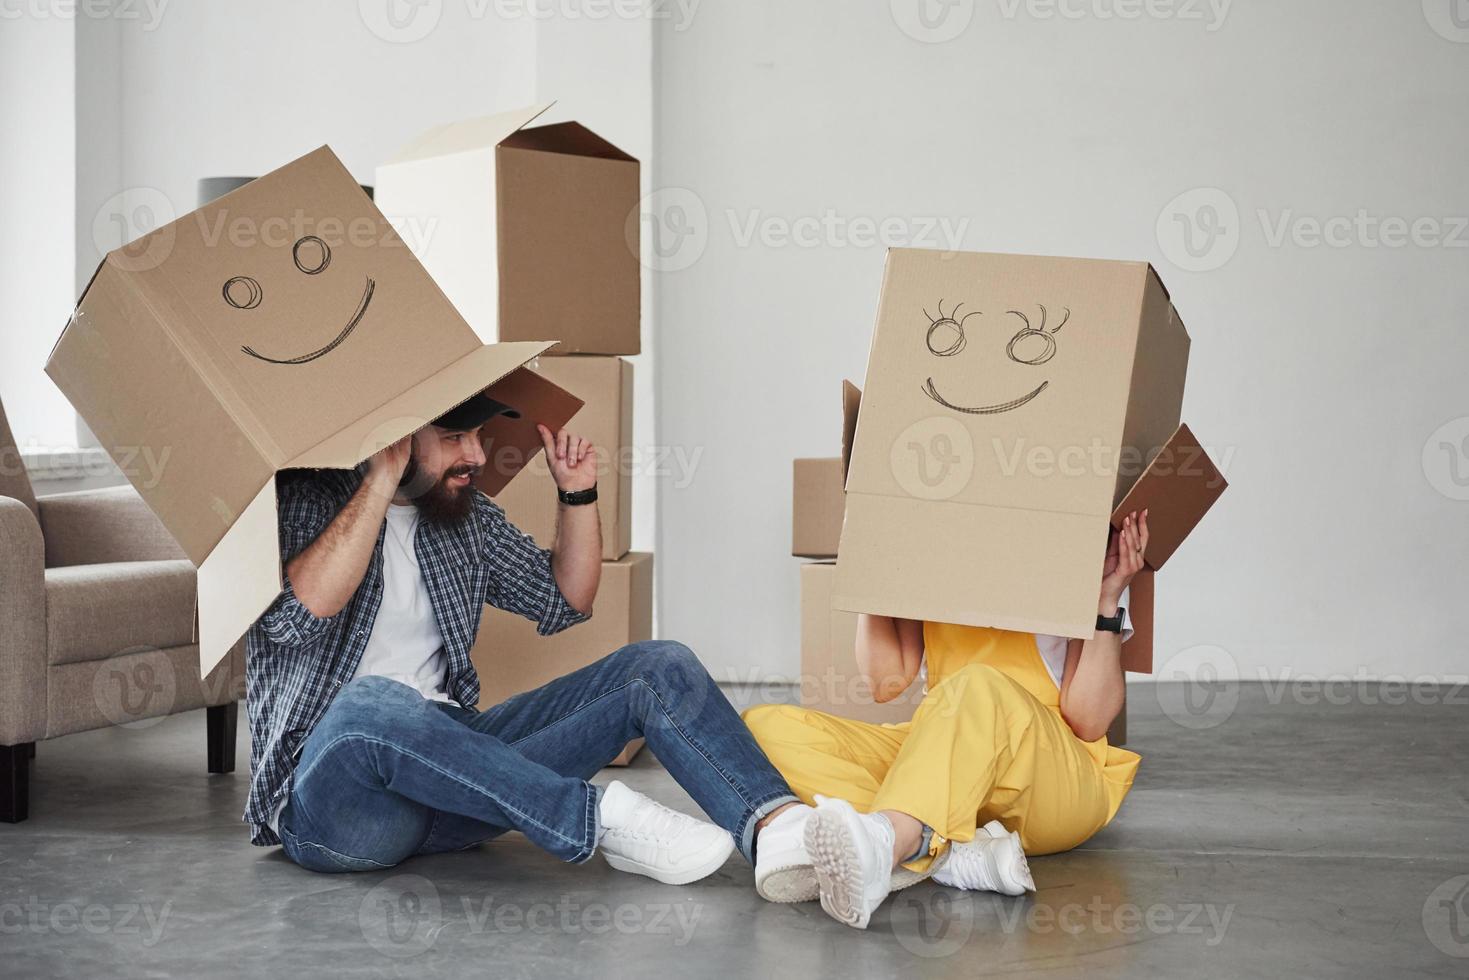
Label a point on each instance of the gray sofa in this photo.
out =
(96, 625)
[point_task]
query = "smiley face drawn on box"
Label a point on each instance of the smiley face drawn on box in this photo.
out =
(1032, 345)
(311, 256)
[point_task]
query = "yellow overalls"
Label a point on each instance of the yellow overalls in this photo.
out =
(987, 743)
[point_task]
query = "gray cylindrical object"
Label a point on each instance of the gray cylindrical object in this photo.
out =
(211, 188)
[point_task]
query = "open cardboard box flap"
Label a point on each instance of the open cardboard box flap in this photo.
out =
(1177, 488)
(283, 325)
(851, 405)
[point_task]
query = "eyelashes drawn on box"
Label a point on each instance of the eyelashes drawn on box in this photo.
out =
(310, 255)
(946, 337)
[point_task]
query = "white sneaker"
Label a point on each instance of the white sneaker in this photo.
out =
(783, 871)
(644, 837)
(993, 862)
(853, 856)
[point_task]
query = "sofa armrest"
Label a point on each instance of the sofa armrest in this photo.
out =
(22, 625)
(88, 527)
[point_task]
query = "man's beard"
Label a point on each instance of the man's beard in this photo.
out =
(443, 504)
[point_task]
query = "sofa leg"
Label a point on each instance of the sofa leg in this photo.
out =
(222, 718)
(15, 781)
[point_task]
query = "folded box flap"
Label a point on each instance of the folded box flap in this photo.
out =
(566, 137)
(1137, 652)
(468, 134)
(239, 580)
(510, 444)
(851, 404)
(411, 410)
(1176, 489)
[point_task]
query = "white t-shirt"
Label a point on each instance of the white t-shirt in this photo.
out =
(405, 644)
(1053, 648)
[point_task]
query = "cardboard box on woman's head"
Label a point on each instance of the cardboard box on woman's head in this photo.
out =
(1014, 408)
(282, 326)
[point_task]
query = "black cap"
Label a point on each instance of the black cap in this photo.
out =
(473, 413)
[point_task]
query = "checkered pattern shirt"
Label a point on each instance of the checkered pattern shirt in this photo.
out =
(296, 662)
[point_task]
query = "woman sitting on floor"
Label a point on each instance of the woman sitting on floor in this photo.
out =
(1006, 756)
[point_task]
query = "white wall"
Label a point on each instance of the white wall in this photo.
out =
(1320, 371)
(36, 236)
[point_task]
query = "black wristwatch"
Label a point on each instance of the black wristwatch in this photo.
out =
(1111, 624)
(575, 498)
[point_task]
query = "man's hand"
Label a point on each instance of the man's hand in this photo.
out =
(576, 558)
(573, 460)
(1124, 559)
(386, 466)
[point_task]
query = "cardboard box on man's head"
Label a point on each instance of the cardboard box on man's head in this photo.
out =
(531, 231)
(284, 325)
(1014, 407)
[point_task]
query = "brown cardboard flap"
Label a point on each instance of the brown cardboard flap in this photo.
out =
(1177, 488)
(851, 404)
(510, 444)
(567, 137)
(606, 385)
(1137, 652)
(414, 408)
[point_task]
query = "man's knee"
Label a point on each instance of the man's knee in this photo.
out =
(665, 662)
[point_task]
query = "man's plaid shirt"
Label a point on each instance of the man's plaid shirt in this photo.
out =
(296, 662)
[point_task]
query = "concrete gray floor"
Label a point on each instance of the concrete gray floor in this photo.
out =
(1270, 834)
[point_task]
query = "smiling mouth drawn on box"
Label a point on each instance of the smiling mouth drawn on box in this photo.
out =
(932, 392)
(346, 331)
(951, 321)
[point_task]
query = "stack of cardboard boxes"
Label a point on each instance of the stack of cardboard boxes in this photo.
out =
(527, 230)
(829, 679)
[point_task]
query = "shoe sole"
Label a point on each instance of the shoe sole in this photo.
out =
(903, 878)
(798, 883)
(789, 884)
(838, 868)
(688, 876)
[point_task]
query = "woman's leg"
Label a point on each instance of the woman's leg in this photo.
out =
(983, 748)
(821, 753)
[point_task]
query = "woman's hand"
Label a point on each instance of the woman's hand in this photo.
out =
(1124, 559)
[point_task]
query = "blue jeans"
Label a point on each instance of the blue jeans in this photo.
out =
(387, 773)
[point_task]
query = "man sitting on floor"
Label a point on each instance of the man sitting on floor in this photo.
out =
(366, 747)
